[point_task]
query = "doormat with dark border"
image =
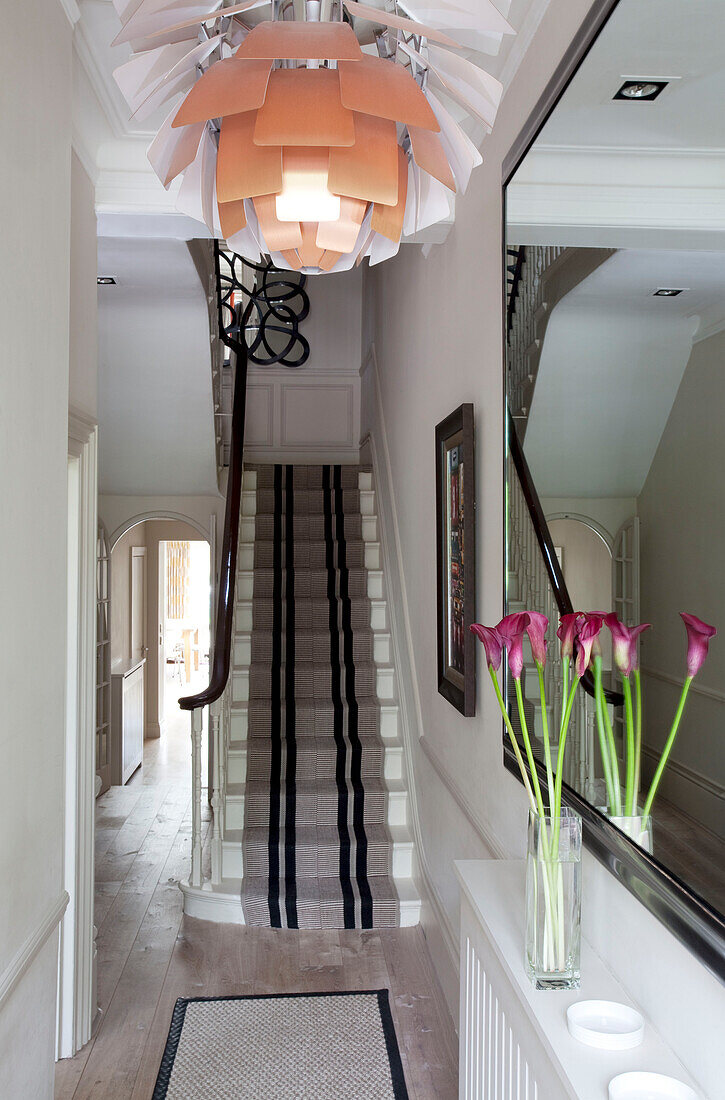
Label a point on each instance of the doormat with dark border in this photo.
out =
(306, 1046)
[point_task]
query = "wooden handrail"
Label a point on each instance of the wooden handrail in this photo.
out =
(228, 570)
(546, 546)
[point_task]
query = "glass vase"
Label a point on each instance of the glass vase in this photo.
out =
(553, 901)
(637, 828)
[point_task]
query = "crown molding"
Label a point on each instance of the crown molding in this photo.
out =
(72, 11)
(645, 151)
(522, 41)
(84, 51)
(84, 155)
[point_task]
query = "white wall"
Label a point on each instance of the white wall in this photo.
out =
(156, 424)
(682, 528)
(609, 512)
(35, 212)
(313, 411)
(83, 380)
(437, 334)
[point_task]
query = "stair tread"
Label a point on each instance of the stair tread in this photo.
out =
(303, 787)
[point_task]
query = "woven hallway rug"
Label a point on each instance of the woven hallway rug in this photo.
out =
(310, 1046)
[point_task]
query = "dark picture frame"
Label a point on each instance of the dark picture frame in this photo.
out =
(456, 559)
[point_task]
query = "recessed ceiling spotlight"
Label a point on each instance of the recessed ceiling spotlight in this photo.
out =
(106, 280)
(668, 291)
(645, 90)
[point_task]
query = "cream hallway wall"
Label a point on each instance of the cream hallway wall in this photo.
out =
(35, 218)
(682, 488)
(437, 334)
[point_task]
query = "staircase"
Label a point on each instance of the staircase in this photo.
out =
(311, 813)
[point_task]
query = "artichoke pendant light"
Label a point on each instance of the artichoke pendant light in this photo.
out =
(292, 140)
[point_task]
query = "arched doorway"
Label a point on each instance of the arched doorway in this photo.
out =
(161, 581)
(584, 548)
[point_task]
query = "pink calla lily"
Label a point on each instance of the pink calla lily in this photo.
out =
(492, 644)
(588, 641)
(511, 630)
(624, 643)
(567, 633)
(698, 640)
(536, 630)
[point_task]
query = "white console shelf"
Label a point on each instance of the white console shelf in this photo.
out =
(514, 1040)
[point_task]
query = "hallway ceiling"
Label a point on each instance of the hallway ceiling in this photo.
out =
(621, 174)
(612, 361)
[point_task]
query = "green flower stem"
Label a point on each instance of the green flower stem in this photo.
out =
(514, 742)
(600, 704)
(556, 805)
(629, 717)
(667, 749)
(545, 727)
(613, 764)
(530, 758)
(637, 735)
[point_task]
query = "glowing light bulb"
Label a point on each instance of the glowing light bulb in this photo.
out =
(304, 196)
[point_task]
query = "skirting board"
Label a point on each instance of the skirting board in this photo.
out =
(31, 947)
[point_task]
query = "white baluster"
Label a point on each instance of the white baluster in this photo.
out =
(215, 725)
(196, 793)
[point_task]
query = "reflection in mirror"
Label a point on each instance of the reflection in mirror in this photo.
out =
(616, 385)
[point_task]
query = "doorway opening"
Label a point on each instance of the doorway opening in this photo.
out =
(161, 587)
(184, 594)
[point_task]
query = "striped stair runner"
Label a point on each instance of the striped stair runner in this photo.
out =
(317, 852)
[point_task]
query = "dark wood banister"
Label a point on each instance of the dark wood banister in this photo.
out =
(546, 545)
(230, 540)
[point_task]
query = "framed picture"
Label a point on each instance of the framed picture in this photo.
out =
(456, 559)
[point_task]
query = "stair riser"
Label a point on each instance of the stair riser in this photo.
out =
(375, 648)
(378, 616)
(396, 812)
(313, 651)
(362, 555)
(381, 680)
(396, 857)
(310, 585)
(392, 764)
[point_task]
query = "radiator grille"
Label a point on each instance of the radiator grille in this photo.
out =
(494, 1065)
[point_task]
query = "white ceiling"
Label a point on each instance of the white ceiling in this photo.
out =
(679, 40)
(156, 427)
(612, 361)
(608, 173)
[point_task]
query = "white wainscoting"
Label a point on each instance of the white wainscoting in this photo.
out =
(300, 415)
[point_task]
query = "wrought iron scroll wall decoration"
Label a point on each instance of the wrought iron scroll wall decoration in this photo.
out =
(280, 305)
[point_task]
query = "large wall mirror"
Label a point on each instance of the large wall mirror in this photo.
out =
(615, 385)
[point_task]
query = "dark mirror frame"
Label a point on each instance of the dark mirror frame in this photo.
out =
(695, 923)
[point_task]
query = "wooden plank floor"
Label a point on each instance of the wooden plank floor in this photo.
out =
(149, 953)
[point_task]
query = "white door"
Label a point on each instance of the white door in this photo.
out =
(138, 603)
(625, 596)
(625, 572)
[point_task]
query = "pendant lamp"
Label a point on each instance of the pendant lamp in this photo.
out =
(291, 138)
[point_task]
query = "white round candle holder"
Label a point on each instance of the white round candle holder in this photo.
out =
(649, 1086)
(606, 1025)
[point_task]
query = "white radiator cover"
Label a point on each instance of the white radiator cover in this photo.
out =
(492, 1062)
(514, 1041)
